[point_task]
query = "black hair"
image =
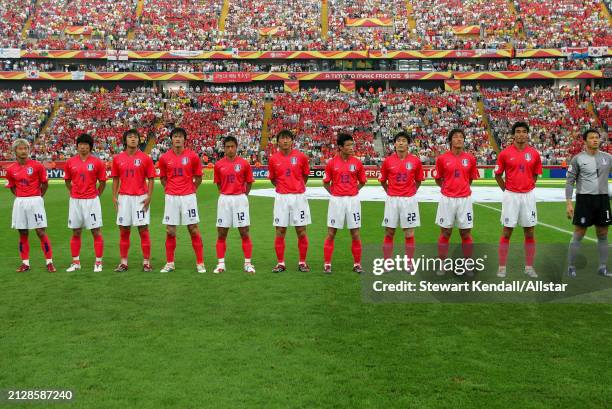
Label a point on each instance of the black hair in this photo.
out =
(342, 138)
(588, 131)
(177, 131)
(230, 139)
(449, 137)
(127, 133)
(401, 134)
(519, 124)
(85, 138)
(285, 132)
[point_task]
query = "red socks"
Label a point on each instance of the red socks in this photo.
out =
(504, 245)
(75, 246)
(328, 251)
(45, 245)
(24, 247)
(145, 244)
(124, 243)
(279, 247)
(303, 247)
(467, 246)
(98, 246)
(221, 248)
(170, 247)
(356, 250)
(198, 247)
(410, 247)
(388, 247)
(443, 246)
(530, 248)
(247, 247)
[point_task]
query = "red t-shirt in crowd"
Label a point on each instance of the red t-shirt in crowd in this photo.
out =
(84, 175)
(179, 171)
(26, 178)
(344, 175)
(520, 167)
(233, 175)
(401, 174)
(289, 171)
(456, 172)
(133, 172)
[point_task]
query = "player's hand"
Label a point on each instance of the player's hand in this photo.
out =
(146, 203)
(115, 203)
(570, 211)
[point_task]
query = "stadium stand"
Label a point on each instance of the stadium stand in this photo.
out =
(13, 16)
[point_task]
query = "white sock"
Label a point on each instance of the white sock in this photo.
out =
(26, 262)
(49, 261)
(75, 260)
(247, 261)
(123, 261)
(98, 259)
(222, 261)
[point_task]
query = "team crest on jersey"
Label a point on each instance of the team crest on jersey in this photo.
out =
(237, 167)
(185, 161)
(29, 170)
(293, 160)
(352, 168)
(90, 167)
(409, 166)
(137, 162)
(604, 162)
(465, 162)
(527, 157)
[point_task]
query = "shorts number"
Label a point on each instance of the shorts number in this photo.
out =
(302, 214)
(191, 213)
(411, 217)
(469, 217)
(140, 214)
(241, 216)
(356, 217)
(38, 217)
(607, 215)
(93, 216)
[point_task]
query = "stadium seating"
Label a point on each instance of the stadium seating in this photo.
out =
(13, 15)
(602, 101)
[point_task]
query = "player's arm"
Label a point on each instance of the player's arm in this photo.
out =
(116, 182)
(500, 182)
(43, 188)
(197, 181)
(499, 172)
(101, 187)
(248, 177)
(13, 190)
(248, 187)
(328, 177)
(163, 180)
(147, 201)
(439, 172)
(362, 177)
(383, 179)
(570, 181)
(418, 184)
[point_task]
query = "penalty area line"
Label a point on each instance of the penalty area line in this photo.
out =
(550, 226)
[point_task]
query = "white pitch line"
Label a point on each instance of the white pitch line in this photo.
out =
(550, 226)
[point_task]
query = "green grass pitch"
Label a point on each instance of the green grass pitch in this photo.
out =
(293, 340)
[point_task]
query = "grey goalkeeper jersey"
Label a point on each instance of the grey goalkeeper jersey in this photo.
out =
(589, 173)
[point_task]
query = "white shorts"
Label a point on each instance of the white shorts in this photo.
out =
(404, 210)
(29, 213)
(233, 211)
(455, 212)
(291, 210)
(84, 213)
(519, 208)
(130, 211)
(181, 210)
(344, 207)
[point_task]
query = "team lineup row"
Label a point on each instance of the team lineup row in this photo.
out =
(180, 171)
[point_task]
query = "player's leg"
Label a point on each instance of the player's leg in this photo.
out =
(247, 249)
(198, 246)
(388, 242)
(509, 220)
(98, 248)
(279, 248)
(145, 245)
(410, 219)
(328, 249)
(445, 218)
(356, 249)
(409, 243)
(170, 248)
(467, 243)
(602, 249)
(75, 250)
(24, 250)
(528, 218)
(530, 249)
(45, 245)
(390, 220)
(221, 249)
(124, 247)
(574, 249)
(302, 238)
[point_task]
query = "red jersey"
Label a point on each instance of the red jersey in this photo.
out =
(456, 172)
(233, 175)
(520, 167)
(26, 178)
(133, 172)
(344, 175)
(84, 175)
(179, 171)
(402, 174)
(289, 171)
